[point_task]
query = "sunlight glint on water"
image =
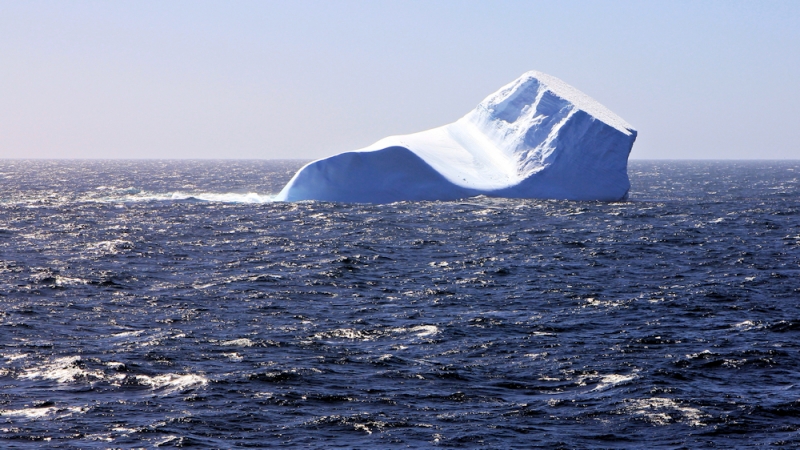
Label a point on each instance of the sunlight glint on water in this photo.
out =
(172, 303)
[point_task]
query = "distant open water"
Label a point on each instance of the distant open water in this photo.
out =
(170, 304)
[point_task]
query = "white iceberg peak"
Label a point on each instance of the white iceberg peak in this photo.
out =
(536, 137)
(530, 79)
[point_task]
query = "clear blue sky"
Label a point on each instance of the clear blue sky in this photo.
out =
(307, 79)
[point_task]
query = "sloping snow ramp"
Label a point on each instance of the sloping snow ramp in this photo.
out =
(537, 137)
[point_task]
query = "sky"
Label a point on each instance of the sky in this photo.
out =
(308, 79)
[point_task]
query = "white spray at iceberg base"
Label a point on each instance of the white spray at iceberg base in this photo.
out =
(536, 137)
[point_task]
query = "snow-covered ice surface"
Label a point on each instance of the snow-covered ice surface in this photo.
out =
(536, 137)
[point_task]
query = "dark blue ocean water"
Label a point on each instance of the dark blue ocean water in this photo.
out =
(155, 303)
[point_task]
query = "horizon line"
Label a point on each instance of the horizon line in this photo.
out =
(315, 159)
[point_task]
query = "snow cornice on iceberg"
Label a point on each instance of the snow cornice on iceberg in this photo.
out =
(536, 137)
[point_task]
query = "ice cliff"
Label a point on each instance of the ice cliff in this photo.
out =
(537, 137)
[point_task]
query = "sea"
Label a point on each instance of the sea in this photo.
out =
(154, 303)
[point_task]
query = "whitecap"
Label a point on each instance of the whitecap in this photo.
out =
(171, 382)
(612, 380)
(343, 333)
(69, 281)
(14, 356)
(420, 331)
(28, 413)
(425, 330)
(745, 326)
(663, 411)
(42, 413)
(169, 440)
(111, 247)
(243, 342)
(126, 334)
(235, 357)
(217, 197)
(62, 370)
(159, 337)
(699, 354)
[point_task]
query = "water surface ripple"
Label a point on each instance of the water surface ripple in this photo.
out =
(171, 304)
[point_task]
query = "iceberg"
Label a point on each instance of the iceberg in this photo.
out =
(536, 137)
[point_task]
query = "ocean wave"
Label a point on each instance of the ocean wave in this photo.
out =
(664, 411)
(43, 412)
(62, 370)
(170, 383)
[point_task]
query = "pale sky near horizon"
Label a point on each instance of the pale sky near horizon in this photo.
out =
(308, 79)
